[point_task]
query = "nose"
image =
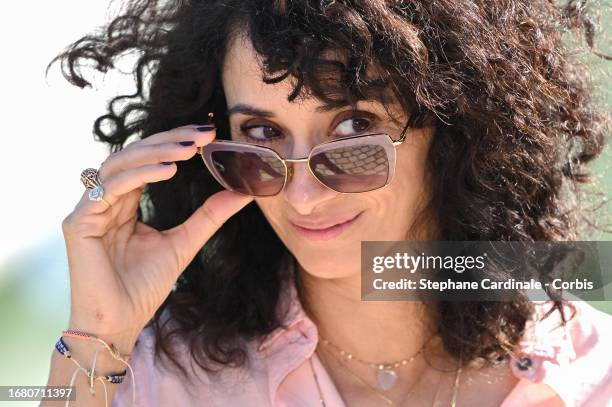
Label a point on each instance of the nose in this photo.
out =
(303, 191)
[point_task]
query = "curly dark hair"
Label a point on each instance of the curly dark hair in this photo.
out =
(515, 117)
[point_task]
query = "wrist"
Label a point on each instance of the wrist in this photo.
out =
(123, 339)
(85, 351)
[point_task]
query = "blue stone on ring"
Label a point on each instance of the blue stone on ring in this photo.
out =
(96, 193)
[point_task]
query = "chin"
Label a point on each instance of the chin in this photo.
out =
(329, 264)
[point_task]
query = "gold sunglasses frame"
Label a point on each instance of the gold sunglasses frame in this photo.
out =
(207, 159)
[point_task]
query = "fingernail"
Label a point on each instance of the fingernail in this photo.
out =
(167, 163)
(205, 128)
(186, 143)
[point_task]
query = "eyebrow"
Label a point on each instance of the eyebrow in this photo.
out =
(254, 111)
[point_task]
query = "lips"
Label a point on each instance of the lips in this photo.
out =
(321, 225)
(335, 229)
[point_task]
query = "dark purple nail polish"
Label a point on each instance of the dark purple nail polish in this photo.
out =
(205, 128)
(186, 143)
(167, 163)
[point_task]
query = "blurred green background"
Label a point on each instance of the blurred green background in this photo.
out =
(34, 286)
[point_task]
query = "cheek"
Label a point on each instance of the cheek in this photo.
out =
(408, 184)
(396, 207)
(274, 210)
(389, 213)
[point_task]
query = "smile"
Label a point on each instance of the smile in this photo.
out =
(326, 233)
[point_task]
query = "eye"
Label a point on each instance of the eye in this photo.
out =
(259, 133)
(352, 126)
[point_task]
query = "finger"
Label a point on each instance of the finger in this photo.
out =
(125, 212)
(109, 223)
(189, 237)
(184, 133)
(150, 154)
(78, 226)
(122, 183)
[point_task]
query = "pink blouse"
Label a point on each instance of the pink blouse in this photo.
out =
(575, 362)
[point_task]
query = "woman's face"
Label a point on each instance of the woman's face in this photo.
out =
(293, 129)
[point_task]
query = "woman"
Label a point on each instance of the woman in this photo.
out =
(487, 124)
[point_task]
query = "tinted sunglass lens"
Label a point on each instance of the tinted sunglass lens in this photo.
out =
(358, 168)
(251, 173)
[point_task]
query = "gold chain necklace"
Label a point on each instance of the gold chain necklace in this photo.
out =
(386, 375)
(374, 389)
(387, 399)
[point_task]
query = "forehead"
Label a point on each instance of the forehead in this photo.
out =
(242, 83)
(242, 79)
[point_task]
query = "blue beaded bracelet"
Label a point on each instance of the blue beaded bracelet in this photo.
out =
(61, 347)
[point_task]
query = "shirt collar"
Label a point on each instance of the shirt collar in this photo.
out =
(287, 347)
(545, 336)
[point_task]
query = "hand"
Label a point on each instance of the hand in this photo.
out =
(121, 270)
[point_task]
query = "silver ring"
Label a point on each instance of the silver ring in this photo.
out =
(96, 194)
(90, 178)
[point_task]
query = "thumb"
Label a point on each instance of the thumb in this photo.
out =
(190, 236)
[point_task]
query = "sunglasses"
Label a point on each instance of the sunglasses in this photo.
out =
(348, 165)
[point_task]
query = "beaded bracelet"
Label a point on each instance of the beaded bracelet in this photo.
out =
(113, 378)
